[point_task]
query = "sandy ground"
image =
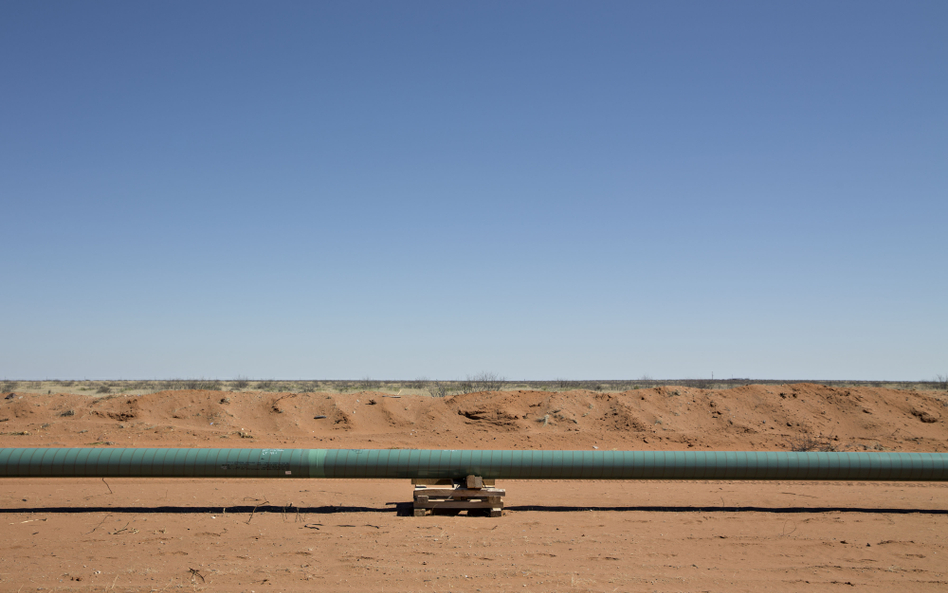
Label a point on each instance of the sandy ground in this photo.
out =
(296, 535)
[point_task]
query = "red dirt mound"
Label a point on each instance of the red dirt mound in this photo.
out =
(754, 417)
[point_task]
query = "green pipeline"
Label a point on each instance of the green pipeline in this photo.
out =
(513, 465)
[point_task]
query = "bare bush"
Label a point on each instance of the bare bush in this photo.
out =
(240, 383)
(201, 385)
(189, 385)
(419, 383)
(942, 381)
(483, 381)
(438, 389)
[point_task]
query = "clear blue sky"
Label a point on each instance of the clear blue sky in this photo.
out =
(538, 189)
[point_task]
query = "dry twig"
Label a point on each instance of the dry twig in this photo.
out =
(255, 510)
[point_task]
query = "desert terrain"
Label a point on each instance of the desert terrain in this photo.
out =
(351, 535)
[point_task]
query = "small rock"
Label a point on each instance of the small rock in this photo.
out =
(925, 415)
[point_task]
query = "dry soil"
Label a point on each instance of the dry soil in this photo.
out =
(336, 535)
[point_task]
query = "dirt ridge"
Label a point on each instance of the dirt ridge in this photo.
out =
(751, 417)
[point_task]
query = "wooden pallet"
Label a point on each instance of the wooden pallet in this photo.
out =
(472, 494)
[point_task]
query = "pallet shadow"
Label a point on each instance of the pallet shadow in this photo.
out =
(725, 509)
(400, 508)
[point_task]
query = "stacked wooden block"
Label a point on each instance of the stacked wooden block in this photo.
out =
(473, 494)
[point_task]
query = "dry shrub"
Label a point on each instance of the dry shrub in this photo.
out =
(308, 386)
(189, 384)
(483, 381)
(419, 383)
(439, 389)
(806, 442)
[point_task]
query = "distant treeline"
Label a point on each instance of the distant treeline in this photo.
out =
(437, 388)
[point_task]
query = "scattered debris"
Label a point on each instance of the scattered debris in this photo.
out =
(196, 573)
(28, 521)
(806, 442)
(124, 530)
